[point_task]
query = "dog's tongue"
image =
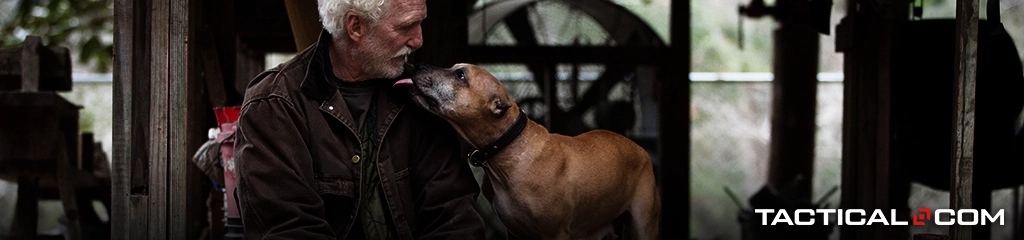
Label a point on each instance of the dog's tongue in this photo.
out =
(403, 83)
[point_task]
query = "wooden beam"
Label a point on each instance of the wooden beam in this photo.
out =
(305, 22)
(962, 163)
(674, 135)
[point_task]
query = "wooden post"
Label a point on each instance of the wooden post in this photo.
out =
(674, 132)
(66, 175)
(794, 105)
(962, 164)
(151, 197)
(866, 39)
(26, 210)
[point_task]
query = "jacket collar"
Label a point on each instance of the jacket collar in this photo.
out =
(317, 81)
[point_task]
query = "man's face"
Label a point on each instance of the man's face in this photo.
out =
(397, 35)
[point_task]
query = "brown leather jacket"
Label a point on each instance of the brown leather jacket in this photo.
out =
(295, 149)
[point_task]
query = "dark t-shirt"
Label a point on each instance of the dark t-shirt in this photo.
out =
(357, 96)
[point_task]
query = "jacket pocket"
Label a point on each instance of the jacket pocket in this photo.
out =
(406, 198)
(335, 186)
(338, 196)
(401, 175)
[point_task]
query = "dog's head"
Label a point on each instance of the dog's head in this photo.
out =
(466, 95)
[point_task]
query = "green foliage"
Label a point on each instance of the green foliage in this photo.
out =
(84, 26)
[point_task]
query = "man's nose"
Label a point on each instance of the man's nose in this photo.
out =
(417, 38)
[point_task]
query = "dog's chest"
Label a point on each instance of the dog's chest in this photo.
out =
(527, 209)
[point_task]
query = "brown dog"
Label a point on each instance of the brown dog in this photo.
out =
(542, 185)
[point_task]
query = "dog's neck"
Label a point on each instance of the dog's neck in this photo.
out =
(518, 150)
(480, 134)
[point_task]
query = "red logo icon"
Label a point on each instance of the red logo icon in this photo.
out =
(923, 214)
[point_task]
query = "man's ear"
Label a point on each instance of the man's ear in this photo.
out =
(354, 27)
(500, 106)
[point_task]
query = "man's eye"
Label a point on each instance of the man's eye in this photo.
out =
(460, 74)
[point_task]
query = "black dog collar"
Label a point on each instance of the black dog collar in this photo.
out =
(478, 157)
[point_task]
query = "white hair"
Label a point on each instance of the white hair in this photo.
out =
(332, 13)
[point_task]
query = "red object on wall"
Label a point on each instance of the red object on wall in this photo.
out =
(226, 117)
(227, 114)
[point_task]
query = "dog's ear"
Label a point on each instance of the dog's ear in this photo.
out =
(500, 106)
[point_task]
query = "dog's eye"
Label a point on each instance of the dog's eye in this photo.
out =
(460, 74)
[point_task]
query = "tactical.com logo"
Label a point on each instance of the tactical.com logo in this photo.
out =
(945, 217)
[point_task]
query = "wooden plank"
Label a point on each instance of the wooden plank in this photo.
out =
(159, 137)
(138, 229)
(181, 205)
(962, 164)
(674, 127)
(139, 106)
(126, 34)
(30, 64)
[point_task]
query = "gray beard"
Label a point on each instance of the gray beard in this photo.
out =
(377, 60)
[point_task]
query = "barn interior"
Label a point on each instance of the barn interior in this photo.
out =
(741, 104)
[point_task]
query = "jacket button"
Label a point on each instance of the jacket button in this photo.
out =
(355, 158)
(330, 108)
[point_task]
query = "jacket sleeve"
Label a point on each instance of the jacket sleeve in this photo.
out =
(446, 203)
(273, 164)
